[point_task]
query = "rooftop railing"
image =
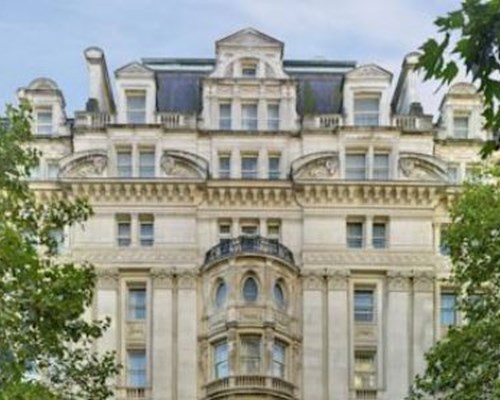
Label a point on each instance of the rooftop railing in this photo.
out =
(248, 244)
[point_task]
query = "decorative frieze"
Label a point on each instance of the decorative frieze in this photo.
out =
(186, 279)
(398, 281)
(313, 280)
(135, 256)
(423, 281)
(338, 279)
(162, 278)
(385, 258)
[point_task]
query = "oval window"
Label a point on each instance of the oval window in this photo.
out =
(250, 289)
(221, 294)
(279, 295)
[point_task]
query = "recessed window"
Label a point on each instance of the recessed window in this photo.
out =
(250, 349)
(249, 167)
(273, 117)
(279, 294)
(146, 164)
(224, 166)
(453, 173)
(136, 106)
(249, 70)
(146, 230)
(52, 170)
(124, 230)
(355, 166)
(365, 370)
(136, 303)
(249, 117)
(448, 309)
(44, 121)
(124, 163)
(381, 166)
(274, 230)
(379, 235)
(364, 305)
(136, 369)
(366, 111)
(221, 294)
(461, 127)
(225, 116)
(279, 359)
(355, 234)
(221, 360)
(250, 290)
(274, 166)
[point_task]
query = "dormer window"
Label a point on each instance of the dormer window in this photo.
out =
(461, 127)
(366, 110)
(44, 121)
(136, 106)
(249, 70)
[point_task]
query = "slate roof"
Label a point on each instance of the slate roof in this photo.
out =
(180, 81)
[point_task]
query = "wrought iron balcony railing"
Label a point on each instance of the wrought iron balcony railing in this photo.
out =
(249, 244)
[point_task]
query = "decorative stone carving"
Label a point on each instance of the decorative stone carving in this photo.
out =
(323, 165)
(423, 281)
(313, 281)
(108, 279)
(92, 166)
(173, 167)
(162, 278)
(186, 279)
(398, 281)
(338, 279)
(136, 332)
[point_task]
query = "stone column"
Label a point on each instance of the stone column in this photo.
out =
(313, 325)
(423, 318)
(107, 305)
(162, 334)
(397, 335)
(338, 335)
(187, 316)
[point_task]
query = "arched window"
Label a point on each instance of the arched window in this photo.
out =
(250, 289)
(279, 294)
(221, 294)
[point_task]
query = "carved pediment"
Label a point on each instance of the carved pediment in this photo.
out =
(249, 37)
(369, 71)
(134, 69)
(181, 164)
(90, 164)
(421, 167)
(463, 88)
(324, 165)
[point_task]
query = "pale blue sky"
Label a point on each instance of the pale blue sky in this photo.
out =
(47, 37)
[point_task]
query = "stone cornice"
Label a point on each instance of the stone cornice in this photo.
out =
(367, 258)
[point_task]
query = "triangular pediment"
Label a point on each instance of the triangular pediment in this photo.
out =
(249, 37)
(369, 71)
(134, 69)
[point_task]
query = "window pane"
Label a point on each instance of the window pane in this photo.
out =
(147, 164)
(249, 116)
(136, 368)
(249, 70)
(137, 304)
(224, 167)
(279, 295)
(279, 360)
(355, 168)
(221, 365)
(147, 233)
(355, 235)
(250, 290)
(52, 170)
(249, 167)
(448, 309)
(136, 108)
(225, 116)
(123, 234)
(221, 294)
(273, 117)
(461, 127)
(250, 355)
(381, 166)
(363, 305)
(274, 167)
(364, 371)
(444, 248)
(366, 111)
(44, 122)
(124, 164)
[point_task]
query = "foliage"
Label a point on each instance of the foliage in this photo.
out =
(476, 27)
(466, 363)
(45, 345)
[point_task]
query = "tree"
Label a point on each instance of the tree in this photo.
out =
(465, 364)
(471, 34)
(45, 345)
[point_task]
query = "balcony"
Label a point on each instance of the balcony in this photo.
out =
(413, 123)
(322, 121)
(249, 245)
(91, 120)
(173, 120)
(250, 384)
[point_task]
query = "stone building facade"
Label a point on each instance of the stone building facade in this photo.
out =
(264, 228)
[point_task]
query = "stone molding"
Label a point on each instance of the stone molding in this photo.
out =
(424, 281)
(127, 256)
(162, 278)
(337, 279)
(108, 278)
(186, 279)
(368, 258)
(313, 280)
(398, 281)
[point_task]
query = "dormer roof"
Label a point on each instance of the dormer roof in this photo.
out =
(249, 37)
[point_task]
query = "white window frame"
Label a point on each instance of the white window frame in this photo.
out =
(353, 173)
(146, 240)
(250, 123)
(459, 132)
(136, 311)
(366, 117)
(147, 166)
(44, 128)
(250, 173)
(123, 239)
(273, 123)
(225, 121)
(136, 115)
(224, 173)
(124, 170)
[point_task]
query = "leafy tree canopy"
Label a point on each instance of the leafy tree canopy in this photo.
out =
(46, 347)
(476, 28)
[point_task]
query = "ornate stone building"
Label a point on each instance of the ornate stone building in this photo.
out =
(264, 228)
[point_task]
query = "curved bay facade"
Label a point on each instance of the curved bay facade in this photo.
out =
(263, 228)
